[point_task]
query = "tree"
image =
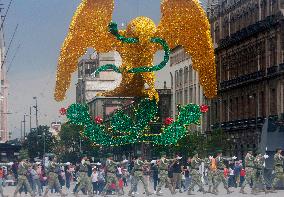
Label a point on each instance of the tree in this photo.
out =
(70, 144)
(37, 139)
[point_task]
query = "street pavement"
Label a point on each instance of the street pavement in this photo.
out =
(9, 191)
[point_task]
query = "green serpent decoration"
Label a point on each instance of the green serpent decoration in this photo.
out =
(114, 30)
(126, 130)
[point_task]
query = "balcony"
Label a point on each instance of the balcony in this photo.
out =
(242, 79)
(240, 124)
(272, 70)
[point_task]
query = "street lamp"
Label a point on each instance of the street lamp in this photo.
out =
(25, 125)
(36, 110)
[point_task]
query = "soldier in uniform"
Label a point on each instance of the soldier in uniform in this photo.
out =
(163, 164)
(278, 168)
(53, 181)
(138, 175)
(1, 191)
(210, 164)
(250, 173)
(195, 174)
(259, 166)
(220, 172)
(111, 174)
(22, 179)
(84, 180)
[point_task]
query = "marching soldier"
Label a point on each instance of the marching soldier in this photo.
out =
(250, 173)
(259, 166)
(220, 171)
(1, 191)
(210, 164)
(23, 180)
(111, 174)
(195, 174)
(163, 164)
(278, 168)
(84, 180)
(138, 175)
(53, 181)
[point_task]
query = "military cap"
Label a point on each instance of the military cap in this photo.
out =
(163, 153)
(219, 150)
(258, 152)
(249, 149)
(138, 154)
(108, 155)
(279, 148)
(195, 152)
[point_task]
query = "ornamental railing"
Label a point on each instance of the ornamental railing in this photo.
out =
(240, 124)
(242, 79)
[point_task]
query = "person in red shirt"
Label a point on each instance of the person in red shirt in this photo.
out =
(242, 176)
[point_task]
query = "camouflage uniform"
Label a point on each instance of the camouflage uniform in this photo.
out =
(1, 191)
(111, 176)
(278, 169)
(220, 174)
(22, 179)
(53, 181)
(84, 180)
(250, 173)
(195, 175)
(164, 178)
(259, 166)
(138, 175)
(211, 173)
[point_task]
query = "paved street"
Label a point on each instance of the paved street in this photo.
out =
(9, 191)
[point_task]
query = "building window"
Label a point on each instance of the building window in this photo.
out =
(180, 77)
(186, 96)
(176, 79)
(262, 105)
(273, 102)
(186, 75)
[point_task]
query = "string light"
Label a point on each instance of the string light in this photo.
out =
(124, 130)
(183, 23)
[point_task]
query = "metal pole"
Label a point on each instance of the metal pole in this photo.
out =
(24, 126)
(30, 118)
(43, 143)
(21, 130)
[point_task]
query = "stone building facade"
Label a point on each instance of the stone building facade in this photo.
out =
(88, 85)
(248, 37)
(185, 83)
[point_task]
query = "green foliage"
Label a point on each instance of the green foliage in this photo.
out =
(70, 145)
(23, 154)
(34, 142)
(195, 141)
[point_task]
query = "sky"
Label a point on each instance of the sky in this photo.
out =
(43, 25)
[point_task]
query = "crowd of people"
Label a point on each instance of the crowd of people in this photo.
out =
(111, 177)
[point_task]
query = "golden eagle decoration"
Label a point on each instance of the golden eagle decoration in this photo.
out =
(183, 23)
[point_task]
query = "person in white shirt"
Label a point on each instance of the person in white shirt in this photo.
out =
(94, 177)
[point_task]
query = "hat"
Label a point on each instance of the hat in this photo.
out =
(163, 154)
(279, 148)
(258, 152)
(249, 149)
(108, 155)
(195, 152)
(219, 150)
(139, 154)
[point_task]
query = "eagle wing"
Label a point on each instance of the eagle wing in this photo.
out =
(184, 23)
(89, 28)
